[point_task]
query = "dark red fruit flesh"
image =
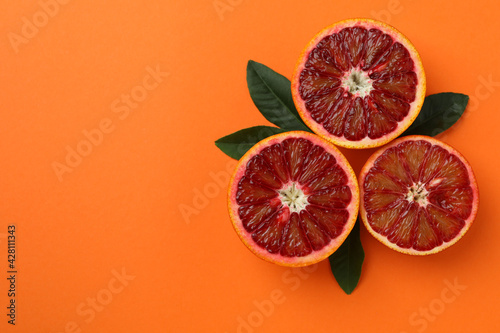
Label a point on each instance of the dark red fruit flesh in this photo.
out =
(272, 224)
(386, 63)
(436, 210)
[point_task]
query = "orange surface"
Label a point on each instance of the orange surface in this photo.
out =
(117, 210)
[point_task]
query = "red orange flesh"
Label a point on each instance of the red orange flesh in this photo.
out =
(293, 199)
(359, 83)
(418, 195)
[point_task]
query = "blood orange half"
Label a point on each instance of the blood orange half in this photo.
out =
(293, 199)
(359, 83)
(418, 195)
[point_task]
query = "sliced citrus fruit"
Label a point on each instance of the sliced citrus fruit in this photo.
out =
(359, 83)
(293, 199)
(418, 195)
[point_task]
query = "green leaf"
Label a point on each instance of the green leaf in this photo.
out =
(272, 95)
(346, 262)
(439, 112)
(237, 144)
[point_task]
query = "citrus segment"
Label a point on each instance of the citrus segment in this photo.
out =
(293, 199)
(418, 195)
(359, 83)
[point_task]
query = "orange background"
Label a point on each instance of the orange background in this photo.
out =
(119, 209)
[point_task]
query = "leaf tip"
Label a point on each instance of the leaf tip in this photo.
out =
(250, 64)
(348, 292)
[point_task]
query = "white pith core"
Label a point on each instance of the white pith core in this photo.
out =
(357, 82)
(417, 193)
(292, 196)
